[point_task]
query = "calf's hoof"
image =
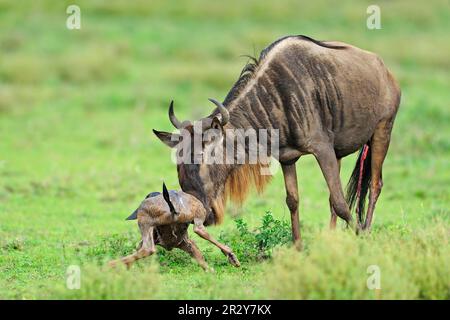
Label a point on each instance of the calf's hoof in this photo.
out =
(112, 264)
(233, 260)
(116, 263)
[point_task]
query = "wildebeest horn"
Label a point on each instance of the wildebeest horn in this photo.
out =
(223, 111)
(176, 123)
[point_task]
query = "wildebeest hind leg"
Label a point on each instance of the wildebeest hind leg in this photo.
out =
(379, 144)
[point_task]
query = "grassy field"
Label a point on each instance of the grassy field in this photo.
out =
(77, 154)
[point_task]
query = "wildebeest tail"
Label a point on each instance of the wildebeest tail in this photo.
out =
(359, 182)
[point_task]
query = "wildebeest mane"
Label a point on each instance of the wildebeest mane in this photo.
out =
(252, 65)
(237, 186)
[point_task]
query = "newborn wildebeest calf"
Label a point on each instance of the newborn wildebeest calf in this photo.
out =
(164, 219)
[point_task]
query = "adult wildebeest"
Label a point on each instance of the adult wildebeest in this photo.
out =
(328, 99)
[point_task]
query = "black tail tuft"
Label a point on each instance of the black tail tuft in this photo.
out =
(352, 186)
(167, 198)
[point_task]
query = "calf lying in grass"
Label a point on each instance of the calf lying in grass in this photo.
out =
(164, 219)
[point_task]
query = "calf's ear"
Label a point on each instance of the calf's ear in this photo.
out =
(167, 198)
(169, 139)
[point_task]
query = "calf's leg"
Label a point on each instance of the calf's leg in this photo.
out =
(146, 249)
(200, 229)
(190, 247)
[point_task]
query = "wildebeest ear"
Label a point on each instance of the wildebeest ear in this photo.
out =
(169, 139)
(214, 134)
(215, 124)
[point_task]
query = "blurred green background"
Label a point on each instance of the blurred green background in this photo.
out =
(77, 107)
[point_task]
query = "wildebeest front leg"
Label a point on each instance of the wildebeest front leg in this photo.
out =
(333, 213)
(328, 163)
(200, 229)
(190, 247)
(146, 249)
(290, 182)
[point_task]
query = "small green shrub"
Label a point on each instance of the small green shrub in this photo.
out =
(271, 234)
(258, 244)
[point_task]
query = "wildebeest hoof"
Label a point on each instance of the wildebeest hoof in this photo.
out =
(363, 231)
(359, 229)
(233, 260)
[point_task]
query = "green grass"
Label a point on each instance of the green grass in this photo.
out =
(77, 153)
(412, 265)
